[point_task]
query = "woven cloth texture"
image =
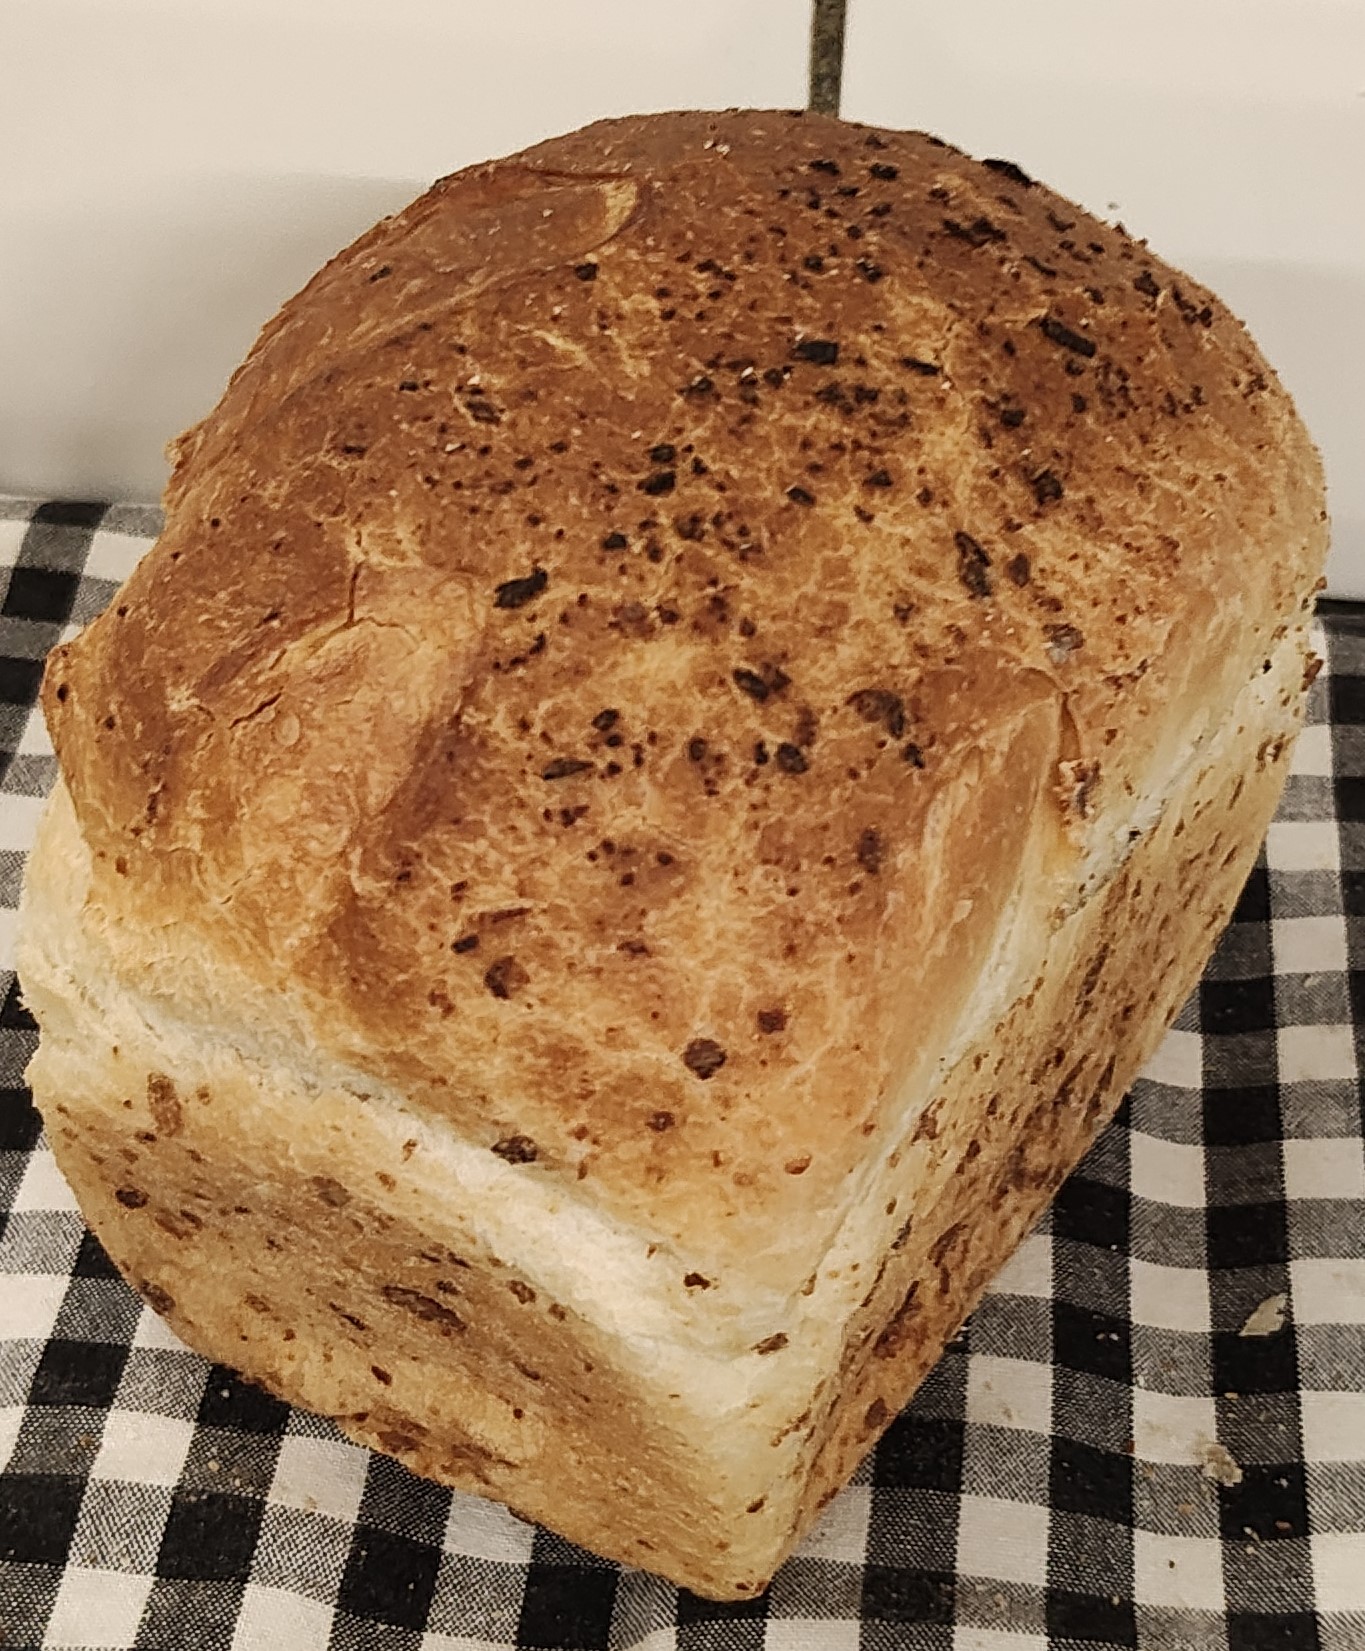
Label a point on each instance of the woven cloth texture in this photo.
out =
(1150, 1434)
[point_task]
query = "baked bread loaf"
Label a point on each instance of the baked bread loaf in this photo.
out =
(704, 696)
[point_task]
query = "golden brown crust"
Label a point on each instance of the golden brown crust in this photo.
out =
(324, 723)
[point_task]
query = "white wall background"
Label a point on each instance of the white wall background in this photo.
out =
(171, 170)
(1230, 133)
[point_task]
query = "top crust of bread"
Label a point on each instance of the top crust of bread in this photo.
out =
(651, 626)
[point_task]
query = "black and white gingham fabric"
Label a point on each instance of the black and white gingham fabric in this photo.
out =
(1151, 1434)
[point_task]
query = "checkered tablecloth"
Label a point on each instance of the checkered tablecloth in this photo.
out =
(1151, 1434)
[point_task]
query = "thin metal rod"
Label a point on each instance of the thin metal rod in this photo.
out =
(826, 55)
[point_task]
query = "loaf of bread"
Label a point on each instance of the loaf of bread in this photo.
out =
(705, 694)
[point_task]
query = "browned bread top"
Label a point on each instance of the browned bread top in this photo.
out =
(639, 615)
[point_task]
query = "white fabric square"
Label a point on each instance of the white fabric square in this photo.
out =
(1309, 945)
(153, 1331)
(11, 539)
(997, 1639)
(1321, 1053)
(44, 1187)
(1173, 1427)
(1177, 1572)
(1169, 1298)
(1333, 1427)
(34, 741)
(96, 1608)
(272, 1617)
(660, 1640)
(9, 935)
(1178, 1061)
(19, 821)
(325, 1476)
(1327, 1291)
(1013, 1393)
(1325, 1168)
(1028, 1272)
(840, 1533)
(1313, 751)
(485, 1530)
(1002, 1539)
(142, 1449)
(1338, 1559)
(462, 1642)
(32, 1302)
(657, 1639)
(11, 1420)
(1166, 1172)
(113, 556)
(1303, 845)
(800, 1634)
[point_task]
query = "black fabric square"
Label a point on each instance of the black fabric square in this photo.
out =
(1348, 795)
(57, 1440)
(894, 1594)
(1237, 1005)
(693, 1608)
(38, 1514)
(78, 1373)
(943, 1392)
(1095, 1342)
(1253, 904)
(915, 1530)
(1254, 1364)
(1297, 1631)
(1270, 1503)
(1346, 697)
(723, 1633)
(19, 679)
(28, 1594)
(1090, 1619)
(1353, 892)
(92, 1261)
(1089, 1481)
(1092, 1213)
(20, 1124)
(1092, 1409)
(209, 1536)
(45, 594)
(350, 1633)
(79, 513)
(877, 1634)
(231, 1401)
(14, 1012)
(397, 1501)
(99, 1310)
(190, 1615)
(388, 1579)
(920, 1454)
(1246, 1235)
(568, 1607)
(1242, 1116)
